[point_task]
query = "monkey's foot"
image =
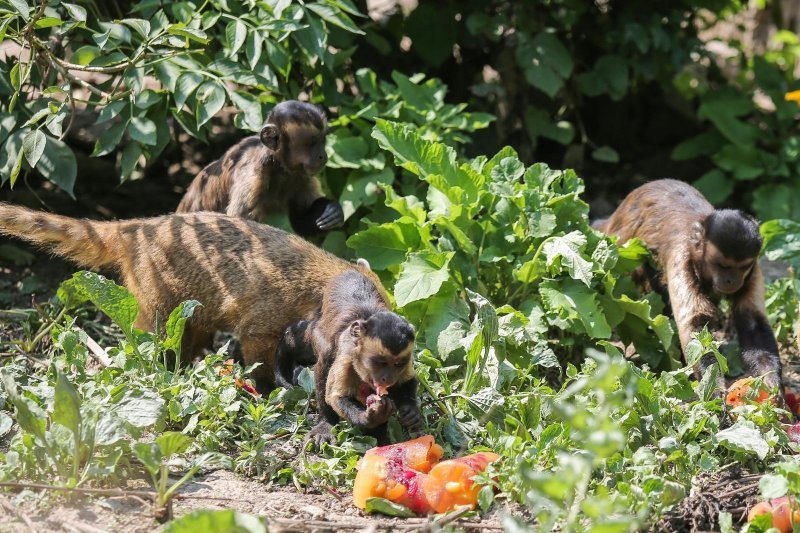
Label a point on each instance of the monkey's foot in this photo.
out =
(322, 432)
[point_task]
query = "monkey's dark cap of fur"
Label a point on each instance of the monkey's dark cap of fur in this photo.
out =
(394, 331)
(294, 111)
(734, 233)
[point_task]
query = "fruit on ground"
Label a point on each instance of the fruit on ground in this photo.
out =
(449, 484)
(740, 389)
(420, 454)
(382, 477)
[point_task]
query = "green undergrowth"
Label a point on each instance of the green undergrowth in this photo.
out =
(523, 313)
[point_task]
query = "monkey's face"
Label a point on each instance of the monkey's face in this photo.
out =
(727, 275)
(305, 148)
(384, 350)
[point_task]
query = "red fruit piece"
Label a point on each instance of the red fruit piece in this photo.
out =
(449, 484)
(372, 399)
(381, 477)
(419, 454)
(793, 430)
(740, 389)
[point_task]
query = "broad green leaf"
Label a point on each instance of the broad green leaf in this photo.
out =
(130, 158)
(21, 7)
(705, 143)
(389, 508)
(605, 154)
(5, 423)
(421, 276)
(29, 416)
(609, 75)
(150, 455)
(172, 442)
(33, 146)
(336, 17)
(66, 404)
(112, 299)
(140, 26)
(109, 429)
(210, 99)
(773, 486)
(715, 185)
(744, 437)
(57, 164)
(235, 35)
(545, 61)
(140, 409)
(185, 87)
(176, 324)
(571, 303)
(225, 521)
(565, 253)
(143, 130)
(75, 11)
(387, 244)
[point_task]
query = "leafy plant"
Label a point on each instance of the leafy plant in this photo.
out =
(154, 455)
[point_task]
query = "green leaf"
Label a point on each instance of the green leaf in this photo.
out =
(66, 404)
(773, 486)
(389, 508)
(75, 11)
(387, 244)
(143, 130)
(185, 87)
(609, 75)
(565, 253)
(253, 48)
(150, 455)
(421, 276)
(545, 61)
(33, 146)
(29, 416)
(235, 35)
(571, 302)
(130, 158)
(336, 17)
(605, 154)
(705, 143)
(58, 164)
(21, 7)
(113, 300)
(744, 437)
(225, 521)
(715, 185)
(5, 423)
(173, 442)
(140, 26)
(140, 409)
(177, 323)
(210, 99)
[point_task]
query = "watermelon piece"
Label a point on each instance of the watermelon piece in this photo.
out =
(420, 454)
(449, 484)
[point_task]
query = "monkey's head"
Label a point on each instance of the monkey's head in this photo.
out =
(384, 346)
(725, 247)
(295, 132)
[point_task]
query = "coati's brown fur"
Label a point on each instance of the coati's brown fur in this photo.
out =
(359, 345)
(251, 278)
(273, 172)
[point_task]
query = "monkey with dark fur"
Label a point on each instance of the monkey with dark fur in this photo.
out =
(360, 347)
(271, 173)
(704, 255)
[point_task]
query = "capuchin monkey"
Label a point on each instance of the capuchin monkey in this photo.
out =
(363, 355)
(251, 278)
(273, 172)
(705, 254)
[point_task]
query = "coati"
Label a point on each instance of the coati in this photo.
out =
(271, 173)
(363, 355)
(705, 254)
(252, 279)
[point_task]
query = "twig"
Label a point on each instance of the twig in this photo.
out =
(742, 488)
(98, 354)
(8, 506)
(110, 492)
(444, 520)
(85, 84)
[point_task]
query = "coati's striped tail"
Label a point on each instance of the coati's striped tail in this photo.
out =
(86, 242)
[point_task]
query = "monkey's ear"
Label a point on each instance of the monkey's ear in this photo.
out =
(697, 233)
(270, 136)
(357, 328)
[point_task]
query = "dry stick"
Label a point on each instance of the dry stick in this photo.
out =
(737, 490)
(8, 506)
(446, 519)
(98, 353)
(110, 492)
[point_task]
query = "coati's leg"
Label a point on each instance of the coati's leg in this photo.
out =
(261, 349)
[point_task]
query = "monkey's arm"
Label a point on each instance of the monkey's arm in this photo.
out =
(294, 352)
(404, 396)
(310, 213)
(756, 339)
(691, 308)
(340, 395)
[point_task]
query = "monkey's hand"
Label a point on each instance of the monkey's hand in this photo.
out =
(332, 216)
(378, 412)
(410, 417)
(322, 432)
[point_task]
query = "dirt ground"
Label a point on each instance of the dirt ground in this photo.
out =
(284, 509)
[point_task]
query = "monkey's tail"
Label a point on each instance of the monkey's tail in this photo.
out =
(86, 242)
